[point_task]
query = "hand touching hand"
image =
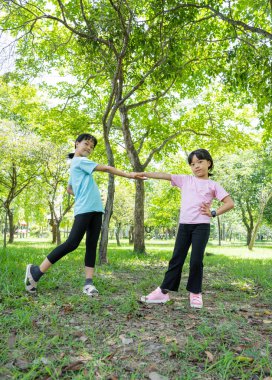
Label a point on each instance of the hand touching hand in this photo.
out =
(138, 175)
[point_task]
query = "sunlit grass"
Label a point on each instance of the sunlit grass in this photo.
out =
(43, 334)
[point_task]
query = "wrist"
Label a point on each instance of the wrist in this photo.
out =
(213, 213)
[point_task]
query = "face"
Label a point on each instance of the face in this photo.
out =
(84, 148)
(200, 167)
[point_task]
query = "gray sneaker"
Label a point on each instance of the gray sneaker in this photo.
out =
(30, 283)
(90, 290)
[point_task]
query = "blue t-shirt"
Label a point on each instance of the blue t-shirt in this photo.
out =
(87, 195)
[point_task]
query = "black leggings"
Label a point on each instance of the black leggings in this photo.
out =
(198, 236)
(90, 223)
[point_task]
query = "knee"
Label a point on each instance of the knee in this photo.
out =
(72, 245)
(196, 265)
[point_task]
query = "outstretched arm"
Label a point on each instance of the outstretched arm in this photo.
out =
(112, 170)
(144, 175)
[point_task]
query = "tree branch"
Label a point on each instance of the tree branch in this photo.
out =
(159, 148)
(138, 85)
(62, 8)
(154, 98)
(224, 18)
(77, 93)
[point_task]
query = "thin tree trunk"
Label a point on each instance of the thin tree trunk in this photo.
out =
(219, 230)
(58, 237)
(249, 235)
(263, 202)
(54, 232)
(5, 229)
(131, 235)
(117, 233)
(254, 234)
(103, 245)
(139, 243)
(11, 226)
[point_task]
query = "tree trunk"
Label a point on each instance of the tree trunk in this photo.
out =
(117, 233)
(248, 221)
(58, 237)
(103, 245)
(131, 235)
(249, 235)
(5, 229)
(139, 243)
(263, 202)
(254, 234)
(11, 226)
(219, 230)
(54, 231)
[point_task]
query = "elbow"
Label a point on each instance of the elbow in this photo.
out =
(105, 168)
(232, 205)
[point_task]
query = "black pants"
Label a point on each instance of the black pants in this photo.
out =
(198, 236)
(89, 223)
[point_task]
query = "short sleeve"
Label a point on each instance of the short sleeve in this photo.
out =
(220, 192)
(87, 166)
(178, 180)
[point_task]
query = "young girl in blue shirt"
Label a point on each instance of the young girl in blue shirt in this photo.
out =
(88, 211)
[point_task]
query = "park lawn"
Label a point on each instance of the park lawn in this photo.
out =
(60, 333)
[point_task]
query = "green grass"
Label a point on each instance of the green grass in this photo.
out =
(60, 333)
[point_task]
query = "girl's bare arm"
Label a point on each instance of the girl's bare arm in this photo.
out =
(155, 175)
(112, 170)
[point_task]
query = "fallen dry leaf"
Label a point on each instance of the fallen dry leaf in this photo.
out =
(149, 317)
(67, 308)
(210, 356)
(156, 376)
(76, 366)
(125, 340)
(192, 316)
(22, 364)
(190, 326)
(83, 338)
(240, 348)
(110, 356)
(12, 339)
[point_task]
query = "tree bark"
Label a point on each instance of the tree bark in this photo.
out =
(131, 235)
(58, 237)
(263, 202)
(103, 245)
(117, 233)
(139, 243)
(219, 230)
(11, 226)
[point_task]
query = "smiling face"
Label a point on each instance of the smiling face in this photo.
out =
(84, 148)
(200, 167)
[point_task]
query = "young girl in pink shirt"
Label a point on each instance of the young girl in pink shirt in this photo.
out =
(197, 194)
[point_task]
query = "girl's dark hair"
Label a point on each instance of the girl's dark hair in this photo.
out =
(83, 136)
(201, 154)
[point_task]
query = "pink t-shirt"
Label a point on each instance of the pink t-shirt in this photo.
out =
(194, 192)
